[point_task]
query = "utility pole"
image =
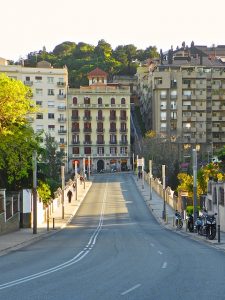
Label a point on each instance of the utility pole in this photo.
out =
(194, 160)
(63, 187)
(35, 192)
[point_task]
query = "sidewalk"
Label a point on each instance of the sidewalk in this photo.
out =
(156, 206)
(24, 236)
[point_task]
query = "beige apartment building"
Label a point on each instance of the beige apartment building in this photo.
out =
(49, 86)
(182, 98)
(99, 124)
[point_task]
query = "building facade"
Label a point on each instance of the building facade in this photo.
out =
(49, 87)
(182, 98)
(99, 124)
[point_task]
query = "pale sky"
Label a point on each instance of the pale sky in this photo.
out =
(27, 26)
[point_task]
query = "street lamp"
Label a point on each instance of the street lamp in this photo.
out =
(63, 187)
(35, 192)
(164, 186)
(194, 160)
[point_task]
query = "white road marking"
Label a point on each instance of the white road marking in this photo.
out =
(152, 245)
(68, 263)
(164, 266)
(160, 252)
(131, 289)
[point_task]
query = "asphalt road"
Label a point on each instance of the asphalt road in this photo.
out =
(114, 249)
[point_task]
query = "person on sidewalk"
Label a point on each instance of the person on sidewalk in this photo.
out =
(69, 195)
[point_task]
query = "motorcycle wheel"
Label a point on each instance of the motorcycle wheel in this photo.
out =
(180, 224)
(211, 234)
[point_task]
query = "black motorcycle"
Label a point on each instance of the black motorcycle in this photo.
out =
(178, 220)
(206, 225)
(190, 222)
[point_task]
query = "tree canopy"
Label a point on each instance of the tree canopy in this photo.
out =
(81, 58)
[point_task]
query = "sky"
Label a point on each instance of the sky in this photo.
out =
(28, 26)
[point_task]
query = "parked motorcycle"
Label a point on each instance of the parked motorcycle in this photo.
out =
(190, 222)
(178, 220)
(206, 225)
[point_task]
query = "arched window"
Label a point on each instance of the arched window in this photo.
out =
(123, 101)
(113, 101)
(100, 101)
(75, 100)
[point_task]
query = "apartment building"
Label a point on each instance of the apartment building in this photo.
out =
(182, 97)
(49, 86)
(99, 124)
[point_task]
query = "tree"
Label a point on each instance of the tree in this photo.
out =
(44, 192)
(15, 104)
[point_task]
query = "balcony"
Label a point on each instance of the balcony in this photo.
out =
(113, 142)
(62, 107)
(100, 130)
(75, 118)
(73, 142)
(123, 142)
(87, 118)
(112, 118)
(61, 97)
(100, 142)
(100, 118)
(87, 142)
(30, 119)
(113, 130)
(87, 130)
(60, 83)
(62, 131)
(123, 118)
(28, 82)
(75, 129)
(123, 130)
(61, 120)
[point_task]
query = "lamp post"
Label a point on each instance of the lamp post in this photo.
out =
(164, 185)
(133, 162)
(194, 159)
(35, 192)
(142, 172)
(63, 186)
(150, 179)
(218, 211)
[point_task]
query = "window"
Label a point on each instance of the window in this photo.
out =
(74, 100)
(123, 115)
(27, 78)
(163, 127)
(123, 127)
(51, 127)
(50, 79)
(87, 114)
(112, 138)
(124, 138)
(163, 94)
(61, 92)
(39, 116)
(50, 92)
(123, 150)
(112, 101)
(51, 115)
(87, 127)
(39, 127)
(163, 116)
(75, 127)
(163, 105)
(123, 101)
(100, 115)
(75, 139)
(173, 105)
(51, 104)
(39, 91)
(75, 114)
(86, 100)
(113, 150)
(38, 78)
(100, 139)
(87, 150)
(61, 140)
(87, 139)
(113, 127)
(76, 150)
(100, 150)
(173, 115)
(112, 115)
(100, 127)
(99, 101)
(39, 103)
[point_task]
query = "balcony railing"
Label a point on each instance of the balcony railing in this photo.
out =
(100, 118)
(123, 142)
(100, 142)
(60, 83)
(60, 97)
(62, 120)
(75, 142)
(62, 131)
(87, 118)
(75, 118)
(28, 82)
(75, 129)
(87, 142)
(100, 130)
(62, 107)
(112, 130)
